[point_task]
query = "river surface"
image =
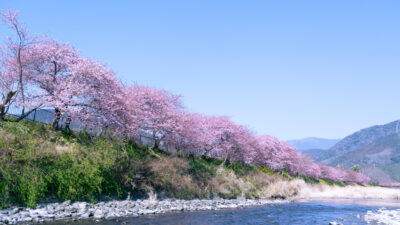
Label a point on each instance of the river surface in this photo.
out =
(300, 212)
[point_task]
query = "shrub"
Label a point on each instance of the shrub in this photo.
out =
(172, 176)
(76, 177)
(202, 170)
(130, 175)
(28, 185)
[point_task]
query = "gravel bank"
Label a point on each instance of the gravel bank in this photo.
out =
(113, 209)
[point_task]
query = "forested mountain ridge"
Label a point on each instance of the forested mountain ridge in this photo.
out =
(375, 150)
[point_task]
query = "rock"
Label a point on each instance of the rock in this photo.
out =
(66, 214)
(58, 208)
(79, 205)
(110, 215)
(98, 214)
(13, 211)
(66, 203)
(85, 216)
(114, 209)
(5, 220)
(335, 223)
(42, 214)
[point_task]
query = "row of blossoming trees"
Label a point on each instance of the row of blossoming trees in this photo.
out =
(37, 72)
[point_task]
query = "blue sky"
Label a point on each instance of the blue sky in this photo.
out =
(291, 69)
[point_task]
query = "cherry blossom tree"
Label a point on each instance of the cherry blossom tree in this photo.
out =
(14, 62)
(38, 73)
(275, 154)
(93, 94)
(53, 78)
(74, 86)
(358, 177)
(234, 143)
(154, 112)
(330, 173)
(309, 168)
(219, 137)
(43, 73)
(186, 135)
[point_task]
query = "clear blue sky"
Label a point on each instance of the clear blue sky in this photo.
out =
(291, 69)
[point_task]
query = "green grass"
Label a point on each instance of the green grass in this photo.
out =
(286, 175)
(38, 164)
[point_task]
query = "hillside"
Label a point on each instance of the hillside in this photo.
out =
(38, 164)
(379, 159)
(375, 149)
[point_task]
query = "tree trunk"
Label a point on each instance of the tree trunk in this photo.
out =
(2, 112)
(24, 115)
(156, 144)
(56, 119)
(67, 123)
(206, 152)
(156, 141)
(20, 81)
(5, 103)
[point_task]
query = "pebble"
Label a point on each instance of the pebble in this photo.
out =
(114, 209)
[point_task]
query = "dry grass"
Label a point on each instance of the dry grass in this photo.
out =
(176, 176)
(228, 185)
(108, 166)
(284, 188)
(322, 191)
(253, 185)
(171, 174)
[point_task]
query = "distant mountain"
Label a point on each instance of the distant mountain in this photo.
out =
(359, 139)
(313, 143)
(376, 150)
(313, 153)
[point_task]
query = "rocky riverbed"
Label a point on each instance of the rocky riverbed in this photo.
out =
(113, 209)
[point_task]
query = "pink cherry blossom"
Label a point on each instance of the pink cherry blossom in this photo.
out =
(37, 72)
(14, 62)
(154, 112)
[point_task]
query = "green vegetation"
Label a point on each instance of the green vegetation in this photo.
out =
(38, 164)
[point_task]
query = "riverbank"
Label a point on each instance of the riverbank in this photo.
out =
(329, 212)
(324, 211)
(115, 209)
(310, 191)
(39, 165)
(291, 191)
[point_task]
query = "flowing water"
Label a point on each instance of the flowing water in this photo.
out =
(301, 212)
